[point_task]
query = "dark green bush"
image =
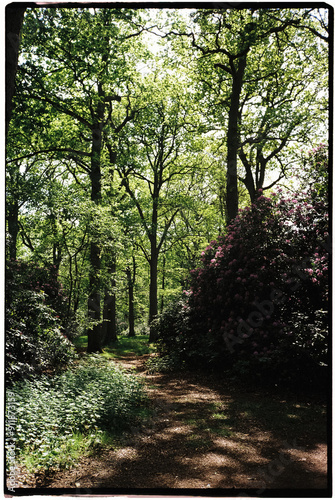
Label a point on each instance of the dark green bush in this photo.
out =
(164, 364)
(30, 276)
(35, 339)
(258, 304)
(178, 339)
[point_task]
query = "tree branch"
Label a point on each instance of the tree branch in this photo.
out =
(62, 109)
(166, 228)
(27, 243)
(125, 183)
(145, 253)
(224, 67)
(52, 150)
(274, 182)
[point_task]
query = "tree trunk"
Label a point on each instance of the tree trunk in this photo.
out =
(153, 310)
(131, 279)
(233, 141)
(94, 312)
(163, 284)
(13, 228)
(56, 254)
(94, 309)
(109, 312)
(248, 180)
(154, 251)
(14, 20)
(131, 311)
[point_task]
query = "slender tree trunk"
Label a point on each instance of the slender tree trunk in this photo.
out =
(94, 333)
(233, 141)
(154, 251)
(153, 309)
(131, 282)
(56, 255)
(109, 312)
(14, 20)
(163, 283)
(131, 311)
(56, 247)
(13, 228)
(94, 308)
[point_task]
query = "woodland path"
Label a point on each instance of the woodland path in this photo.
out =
(198, 438)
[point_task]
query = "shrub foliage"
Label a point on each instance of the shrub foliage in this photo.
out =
(257, 305)
(35, 311)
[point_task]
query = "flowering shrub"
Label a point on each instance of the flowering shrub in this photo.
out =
(259, 301)
(34, 335)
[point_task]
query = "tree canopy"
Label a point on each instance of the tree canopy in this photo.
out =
(137, 134)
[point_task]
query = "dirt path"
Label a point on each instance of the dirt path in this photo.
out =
(199, 438)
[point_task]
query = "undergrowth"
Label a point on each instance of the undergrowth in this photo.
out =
(60, 418)
(164, 364)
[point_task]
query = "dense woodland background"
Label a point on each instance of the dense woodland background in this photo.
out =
(141, 143)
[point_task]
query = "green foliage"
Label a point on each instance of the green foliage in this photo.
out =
(173, 331)
(315, 173)
(161, 113)
(164, 364)
(271, 51)
(65, 414)
(258, 305)
(35, 339)
(22, 275)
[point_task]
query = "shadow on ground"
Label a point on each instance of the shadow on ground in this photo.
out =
(204, 434)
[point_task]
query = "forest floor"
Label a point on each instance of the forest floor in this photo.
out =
(205, 433)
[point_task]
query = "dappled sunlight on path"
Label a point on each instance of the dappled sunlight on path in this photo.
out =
(198, 437)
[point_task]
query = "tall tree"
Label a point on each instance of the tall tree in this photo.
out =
(157, 158)
(14, 20)
(78, 62)
(131, 275)
(256, 58)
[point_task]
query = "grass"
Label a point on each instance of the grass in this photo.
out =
(197, 442)
(80, 342)
(124, 346)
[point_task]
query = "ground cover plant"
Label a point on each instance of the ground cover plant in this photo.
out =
(60, 418)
